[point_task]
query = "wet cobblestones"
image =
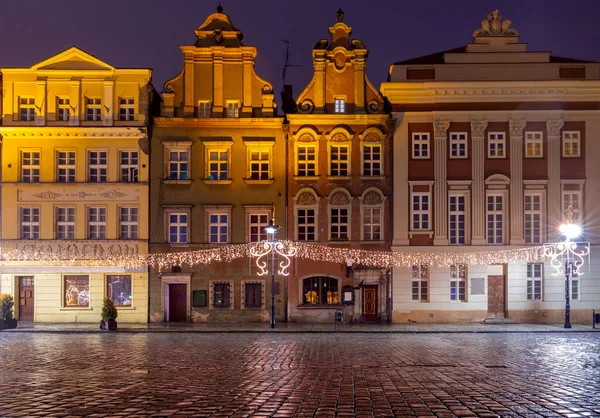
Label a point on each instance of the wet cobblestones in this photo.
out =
(304, 375)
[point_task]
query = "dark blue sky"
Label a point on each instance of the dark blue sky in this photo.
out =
(147, 33)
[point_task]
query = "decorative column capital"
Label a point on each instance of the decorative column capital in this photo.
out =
(478, 128)
(553, 126)
(441, 127)
(516, 127)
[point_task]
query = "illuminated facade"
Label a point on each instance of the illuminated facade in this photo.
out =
(75, 184)
(339, 184)
(493, 144)
(218, 172)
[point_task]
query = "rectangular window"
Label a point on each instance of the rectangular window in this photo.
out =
(457, 217)
(128, 222)
(63, 107)
(233, 110)
(30, 223)
(458, 145)
(30, 166)
(253, 295)
(27, 108)
(97, 161)
(96, 222)
(306, 225)
(458, 282)
(65, 166)
(339, 223)
(126, 108)
(218, 228)
(533, 218)
(496, 145)
(119, 290)
(420, 211)
(178, 165)
(534, 281)
(259, 165)
(222, 295)
(495, 219)
(420, 145)
(574, 286)
(372, 160)
(320, 291)
(571, 142)
(204, 109)
(420, 282)
(257, 225)
(339, 160)
(129, 166)
(572, 198)
(93, 109)
(178, 227)
(77, 291)
(534, 145)
(218, 163)
(307, 161)
(340, 106)
(65, 223)
(372, 224)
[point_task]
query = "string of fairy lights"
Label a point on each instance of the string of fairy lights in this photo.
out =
(302, 250)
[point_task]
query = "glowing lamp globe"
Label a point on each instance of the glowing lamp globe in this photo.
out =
(570, 231)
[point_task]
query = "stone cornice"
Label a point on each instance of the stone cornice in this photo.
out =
(337, 119)
(232, 123)
(71, 132)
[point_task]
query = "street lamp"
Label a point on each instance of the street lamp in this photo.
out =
(272, 229)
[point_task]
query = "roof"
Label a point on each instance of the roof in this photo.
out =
(564, 60)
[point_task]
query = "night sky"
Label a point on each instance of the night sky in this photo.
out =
(147, 33)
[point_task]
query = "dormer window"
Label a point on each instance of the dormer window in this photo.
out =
(340, 106)
(233, 109)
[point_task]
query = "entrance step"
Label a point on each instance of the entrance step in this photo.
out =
(500, 321)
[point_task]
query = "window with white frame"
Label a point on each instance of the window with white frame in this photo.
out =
(339, 160)
(306, 224)
(93, 108)
(307, 160)
(534, 144)
(420, 145)
(233, 109)
(63, 108)
(126, 108)
(534, 281)
(256, 226)
(177, 227)
(218, 164)
(372, 223)
(27, 108)
(65, 222)
(204, 109)
(97, 166)
(218, 228)
(30, 166)
(458, 282)
(420, 282)
(128, 222)
(458, 145)
(495, 219)
(420, 211)
(575, 284)
(96, 222)
(129, 166)
(457, 212)
(178, 164)
(339, 223)
(371, 160)
(30, 222)
(65, 166)
(340, 106)
(571, 142)
(572, 198)
(496, 145)
(533, 218)
(259, 164)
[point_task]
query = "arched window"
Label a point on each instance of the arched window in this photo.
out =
(320, 291)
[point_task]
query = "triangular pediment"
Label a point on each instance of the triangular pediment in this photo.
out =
(73, 59)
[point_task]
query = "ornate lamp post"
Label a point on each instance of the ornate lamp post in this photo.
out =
(272, 230)
(573, 254)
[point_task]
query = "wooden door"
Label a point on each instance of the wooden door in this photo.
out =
(26, 285)
(496, 306)
(177, 302)
(370, 303)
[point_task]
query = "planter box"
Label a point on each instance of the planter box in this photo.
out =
(108, 325)
(8, 324)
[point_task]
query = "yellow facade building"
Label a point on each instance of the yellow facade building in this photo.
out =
(75, 188)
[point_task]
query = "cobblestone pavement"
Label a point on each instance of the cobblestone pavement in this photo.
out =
(316, 375)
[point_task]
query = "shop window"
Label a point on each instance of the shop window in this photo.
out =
(320, 291)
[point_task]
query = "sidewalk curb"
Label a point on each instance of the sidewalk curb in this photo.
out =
(268, 331)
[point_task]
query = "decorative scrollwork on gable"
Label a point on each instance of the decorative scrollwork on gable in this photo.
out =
(372, 137)
(306, 138)
(339, 138)
(375, 106)
(307, 106)
(339, 198)
(306, 199)
(372, 198)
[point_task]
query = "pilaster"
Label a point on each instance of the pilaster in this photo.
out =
(109, 102)
(359, 85)
(188, 104)
(440, 203)
(516, 181)
(478, 185)
(218, 85)
(554, 215)
(319, 65)
(401, 204)
(247, 90)
(40, 102)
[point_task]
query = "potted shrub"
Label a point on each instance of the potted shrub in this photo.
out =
(109, 315)
(6, 312)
